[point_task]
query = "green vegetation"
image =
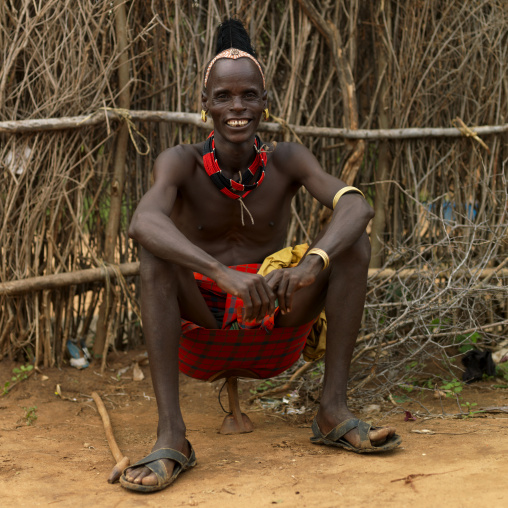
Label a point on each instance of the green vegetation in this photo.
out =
(467, 342)
(502, 370)
(469, 405)
(30, 415)
(19, 374)
(263, 387)
(453, 387)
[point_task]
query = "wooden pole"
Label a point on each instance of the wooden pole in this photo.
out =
(384, 157)
(56, 281)
(103, 116)
(60, 280)
(329, 30)
(118, 177)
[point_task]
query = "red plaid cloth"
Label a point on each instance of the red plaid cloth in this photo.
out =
(258, 347)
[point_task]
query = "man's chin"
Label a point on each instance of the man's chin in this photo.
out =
(240, 134)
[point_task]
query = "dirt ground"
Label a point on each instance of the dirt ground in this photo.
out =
(63, 458)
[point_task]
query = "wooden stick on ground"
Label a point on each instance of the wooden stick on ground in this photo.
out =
(121, 461)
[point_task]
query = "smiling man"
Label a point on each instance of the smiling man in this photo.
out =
(220, 206)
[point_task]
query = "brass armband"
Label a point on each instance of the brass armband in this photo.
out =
(343, 191)
(322, 254)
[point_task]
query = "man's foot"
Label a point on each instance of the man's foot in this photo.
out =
(142, 475)
(347, 431)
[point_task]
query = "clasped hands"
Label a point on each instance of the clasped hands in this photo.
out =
(259, 294)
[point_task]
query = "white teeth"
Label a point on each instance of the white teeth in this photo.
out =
(237, 123)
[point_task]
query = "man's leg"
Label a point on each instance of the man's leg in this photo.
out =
(167, 291)
(342, 289)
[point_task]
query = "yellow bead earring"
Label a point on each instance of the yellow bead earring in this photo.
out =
(203, 115)
(266, 114)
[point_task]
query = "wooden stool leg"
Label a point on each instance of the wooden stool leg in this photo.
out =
(236, 422)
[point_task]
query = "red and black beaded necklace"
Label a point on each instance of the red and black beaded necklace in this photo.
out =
(250, 179)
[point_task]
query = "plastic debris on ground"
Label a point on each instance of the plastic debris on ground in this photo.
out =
(79, 355)
(289, 405)
(371, 409)
(137, 373)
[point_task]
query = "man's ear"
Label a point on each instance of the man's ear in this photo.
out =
(265, 98)
(204, 100)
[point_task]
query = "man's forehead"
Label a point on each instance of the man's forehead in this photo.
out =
(227, 70)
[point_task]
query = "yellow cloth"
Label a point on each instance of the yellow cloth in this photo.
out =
(287, 258)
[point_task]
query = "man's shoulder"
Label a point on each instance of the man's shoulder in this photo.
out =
(290, 157)
(178, 162)
(286, 147)
(184, 153)
(284, 150)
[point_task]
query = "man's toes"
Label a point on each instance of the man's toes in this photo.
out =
(136, 475)
(379, 436)
(131, 474)
(151, 479)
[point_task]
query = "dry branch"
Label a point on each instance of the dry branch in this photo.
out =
(61, 280)
(100, 118)
(56, 281)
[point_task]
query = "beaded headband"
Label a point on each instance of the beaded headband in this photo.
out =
(233, 54)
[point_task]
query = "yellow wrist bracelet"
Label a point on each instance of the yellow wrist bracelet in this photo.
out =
(343, 191)
(322, 254)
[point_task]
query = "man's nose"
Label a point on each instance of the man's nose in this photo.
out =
(237, 104)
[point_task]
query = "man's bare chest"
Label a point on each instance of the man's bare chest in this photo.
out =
(203, 211)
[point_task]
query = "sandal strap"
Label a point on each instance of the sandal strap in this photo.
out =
(159, 469)
(154, 463)
(363, 430)
(163, 453)
(341, 430)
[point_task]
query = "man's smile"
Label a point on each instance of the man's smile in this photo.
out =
(237, 122)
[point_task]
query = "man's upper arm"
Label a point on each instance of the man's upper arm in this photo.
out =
(306, 170)
(169, 171)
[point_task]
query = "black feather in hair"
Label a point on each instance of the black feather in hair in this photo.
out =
(232, 34)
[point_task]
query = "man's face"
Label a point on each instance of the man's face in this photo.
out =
(235, 99)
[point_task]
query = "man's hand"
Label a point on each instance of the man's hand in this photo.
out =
(286, 281)
(253, 289)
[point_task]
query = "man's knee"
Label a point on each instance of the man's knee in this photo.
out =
(359, 253)
(154, 270)
(363, 250)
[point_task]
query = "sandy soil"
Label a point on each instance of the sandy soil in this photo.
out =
(63, 459)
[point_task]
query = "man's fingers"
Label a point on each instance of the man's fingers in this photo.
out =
(273, 279)
(274, 276)
(252, 310)
(266, 296)
(285, 291)
(258, 296)
(281, 294)
(290, 291)
(278, 283)
(269, 308)
(269, 276)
